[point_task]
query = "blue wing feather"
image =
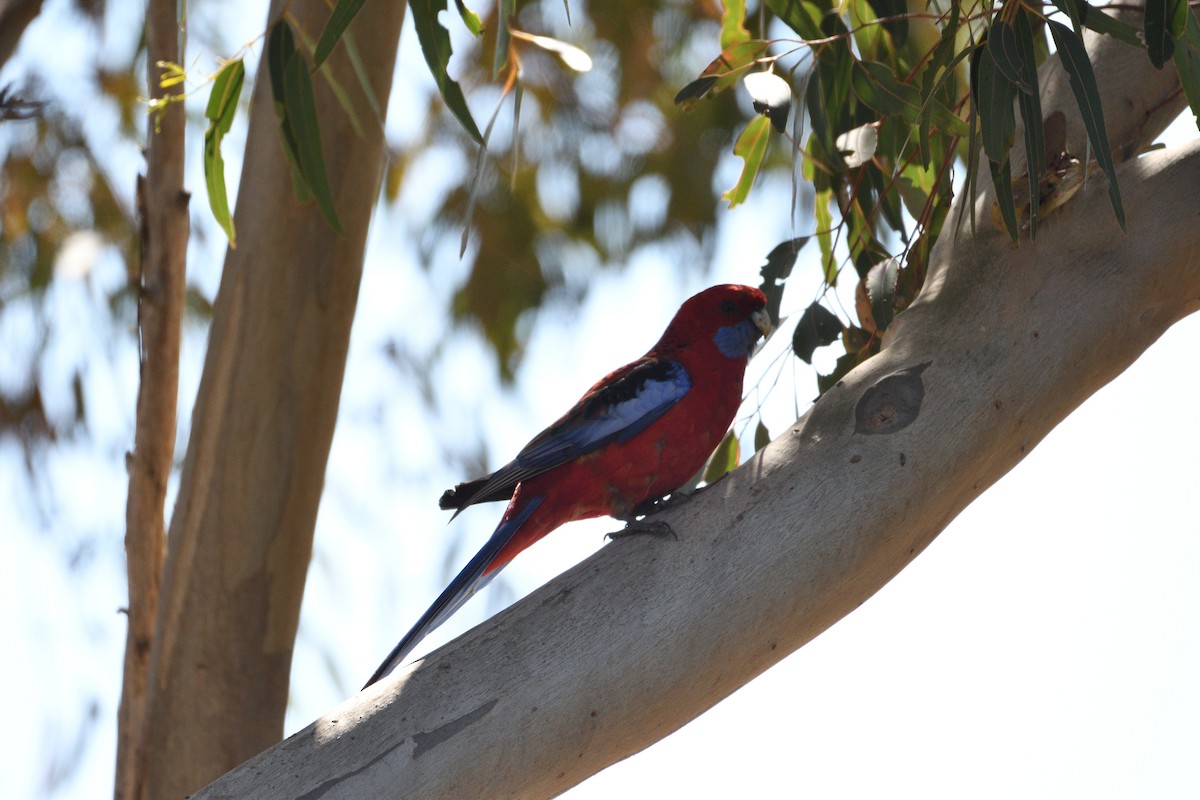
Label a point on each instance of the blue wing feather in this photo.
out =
(615, 411)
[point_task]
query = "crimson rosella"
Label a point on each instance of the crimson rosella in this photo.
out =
(639, 434)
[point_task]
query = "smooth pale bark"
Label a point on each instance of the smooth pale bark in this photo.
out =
(649, 633)
(163, 211)
(241, 535)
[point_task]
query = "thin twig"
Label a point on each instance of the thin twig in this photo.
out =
(163, 207)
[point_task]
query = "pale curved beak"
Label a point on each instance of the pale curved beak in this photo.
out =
(762, 321)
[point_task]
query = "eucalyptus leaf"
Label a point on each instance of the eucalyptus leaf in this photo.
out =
(1002, 179)
(339, 20)
(733, 23)
(1164, 21)
(435, 45)
(751, 147)
(1084, 15)
(1005, 49)
(993, 94)
(1187, 64)
(818, 326)
(724, 459)
(762, 437)
(1030, 106)
(1083, 83)
(301, 119)
(881, 289)
(780, 262)
(220, 112)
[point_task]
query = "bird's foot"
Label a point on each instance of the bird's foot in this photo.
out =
(636, 527)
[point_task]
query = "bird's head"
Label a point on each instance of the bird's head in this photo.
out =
(731, 316)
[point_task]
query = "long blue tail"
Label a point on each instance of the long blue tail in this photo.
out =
(465, 584)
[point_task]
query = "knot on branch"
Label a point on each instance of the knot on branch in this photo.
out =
(891, 404)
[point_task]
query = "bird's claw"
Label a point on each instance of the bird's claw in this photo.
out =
(635, 527)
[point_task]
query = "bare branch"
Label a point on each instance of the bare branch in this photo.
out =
(163, 207)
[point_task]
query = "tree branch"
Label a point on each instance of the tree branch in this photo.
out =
(647, 634)
(163, 208)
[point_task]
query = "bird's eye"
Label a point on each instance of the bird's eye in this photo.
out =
(728, 307)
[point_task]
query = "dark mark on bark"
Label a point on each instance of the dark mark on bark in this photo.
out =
(891, 404)
(427, 741)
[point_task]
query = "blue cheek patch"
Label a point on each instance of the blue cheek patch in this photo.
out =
(737, 341)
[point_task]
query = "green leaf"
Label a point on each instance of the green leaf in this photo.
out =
(1187, 63)
(876, 86)
(505, 9)
(916, 182)
(695, 90)
(435, 45)
(751, 147)
(835, 68)
(780, 262)
(762, 437)
(1084, 15)
(1164, 21)
(860, 233)
(724, 459)
(302, 119)
(221, 109)
(1083, 83)
(939, 73)
(1002, 179)
(280, 46)
(870, 38)
(881, 290)
(733, 23)
(1074, 11)
(724, 70)
(1005, 50)
(993, 95)
(800, 15)
(822, 138)
(469, 18)
(879, 89)
(1030, 105)
(227, 88)
(476, 178)
(343, 13)
(280, 49)
(894, 11)
(818, 326)
(824, 234)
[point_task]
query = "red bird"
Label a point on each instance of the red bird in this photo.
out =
(639, 434)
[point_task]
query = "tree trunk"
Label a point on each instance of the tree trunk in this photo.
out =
(241, 535)
(647, 634)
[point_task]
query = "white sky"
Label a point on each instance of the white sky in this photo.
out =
(1045, 646)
